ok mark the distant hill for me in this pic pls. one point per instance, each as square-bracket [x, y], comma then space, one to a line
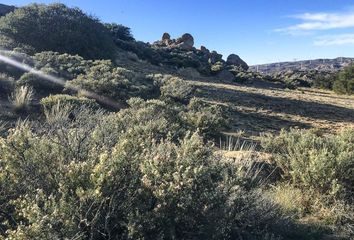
[326, 65]
[5, 9]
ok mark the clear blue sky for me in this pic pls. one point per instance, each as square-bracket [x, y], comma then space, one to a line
[259, 31]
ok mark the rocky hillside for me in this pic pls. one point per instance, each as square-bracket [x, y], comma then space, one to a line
[325, 65]
[181, 53]
[308, 73]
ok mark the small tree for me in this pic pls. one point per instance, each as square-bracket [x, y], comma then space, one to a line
[345, 81]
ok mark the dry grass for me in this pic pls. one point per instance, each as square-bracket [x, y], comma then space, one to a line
[255, 110]
[2, 126]
[21, 98]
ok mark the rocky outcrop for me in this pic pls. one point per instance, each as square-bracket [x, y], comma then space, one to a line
[235, 60]
[166, 39]
[215, 57]
[185, 42]
[225, 76]
[5, 9]
[181, 53]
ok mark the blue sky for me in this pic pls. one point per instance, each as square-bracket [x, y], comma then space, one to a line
[259, 31]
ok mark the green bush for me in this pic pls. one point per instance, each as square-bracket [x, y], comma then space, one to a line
[173, 88]
[324, 81]
[217, 67]
[344, 84]
[58, 28]
[67, 100]
[319, 163]
[67, 66]
[151, 118]
[114, 82]
[206, 117]
[41, 84]
[85, 178]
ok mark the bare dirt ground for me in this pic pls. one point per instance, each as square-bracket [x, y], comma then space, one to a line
[255, 110]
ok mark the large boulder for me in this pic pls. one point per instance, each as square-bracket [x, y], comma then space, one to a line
[166, 39]
[166, 36]
[186, 41]
[235, 60]
[225, 76]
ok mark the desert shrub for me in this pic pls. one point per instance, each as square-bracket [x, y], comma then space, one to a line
[154, 118]
[324, 81]
[241, 77]
[318, 172]
[172, 87]
[41, 84]
[344, 83]
[57, 28]
[114, 82]
[320, 163]
[62, 180]
[7, 85]
[206, 117]
[217, 67]
[67, 66]
[72, 101]
[21, 98]
[119, 32]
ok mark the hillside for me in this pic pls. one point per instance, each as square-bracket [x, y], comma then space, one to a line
[5, 9]
[103, 136]
[319, 73]
[325, 65]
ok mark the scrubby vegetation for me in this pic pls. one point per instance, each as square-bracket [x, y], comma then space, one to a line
[345, 81]
[106, 176]
[152, 166]
[318, 173]
[55, 27]
[21, 98]
[118, 83]
[67, 100]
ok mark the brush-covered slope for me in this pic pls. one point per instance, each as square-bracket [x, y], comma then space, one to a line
[163, 140]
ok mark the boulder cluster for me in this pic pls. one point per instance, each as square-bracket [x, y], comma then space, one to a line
[185, 42]
[205, 59]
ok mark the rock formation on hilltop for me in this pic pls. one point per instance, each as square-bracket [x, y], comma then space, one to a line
[234, 59]
[180, 53]
[203, 59]
[185, 42]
